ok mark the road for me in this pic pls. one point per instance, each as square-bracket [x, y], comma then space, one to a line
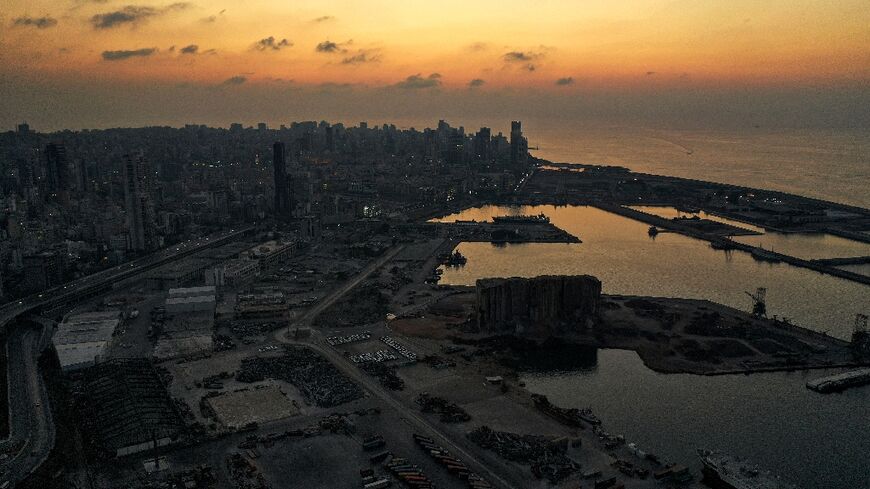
[307, 318]
[30, 419]
[317, 343]
[423, 425]
[97, 282]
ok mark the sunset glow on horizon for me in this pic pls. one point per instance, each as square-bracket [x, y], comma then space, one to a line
[556, 47]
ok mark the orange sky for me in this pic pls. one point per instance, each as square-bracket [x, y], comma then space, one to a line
[384, 42]
[102, 62]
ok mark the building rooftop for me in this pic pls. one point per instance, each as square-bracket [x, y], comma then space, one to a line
[192, 292]
[87, 328]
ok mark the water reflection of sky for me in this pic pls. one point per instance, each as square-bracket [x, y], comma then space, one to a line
[619, 251]
[807, 246]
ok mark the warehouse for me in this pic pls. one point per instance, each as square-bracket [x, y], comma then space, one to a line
[81, 340]
[192, 299]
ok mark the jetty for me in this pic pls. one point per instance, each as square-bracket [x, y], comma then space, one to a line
[841, 381]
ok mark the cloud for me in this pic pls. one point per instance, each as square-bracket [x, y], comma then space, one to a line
[519, 57]
[211, 19]
[43, 22]
[477, 47]
[417, 81]
[361, 57]
[329, 47]
[132, 15]
[325, 18]
[477, 82]
[568, 80]
[127, 54]
[271, 44]
[190, 49]
[235, 80]
[522, 58]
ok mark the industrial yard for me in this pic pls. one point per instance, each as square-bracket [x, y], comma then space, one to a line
[274, 362]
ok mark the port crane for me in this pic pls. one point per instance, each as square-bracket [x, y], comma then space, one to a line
[759, 308]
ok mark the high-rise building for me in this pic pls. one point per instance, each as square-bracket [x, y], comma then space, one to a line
[282, 182]
[42, 271]
[137, 200]
[519, 145]
[57, 170]
[482, 144]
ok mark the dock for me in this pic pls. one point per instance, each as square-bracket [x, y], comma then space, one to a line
[841, 381]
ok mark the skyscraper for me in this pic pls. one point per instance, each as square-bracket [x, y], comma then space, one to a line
[519, 145]
[282, 183]
[57, 171]
[137, 200]
[482, 144]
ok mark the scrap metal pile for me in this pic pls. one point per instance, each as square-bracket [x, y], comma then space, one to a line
[546, 457]
[385, 374]
[448, 411]
[317, 379]
[244, 474]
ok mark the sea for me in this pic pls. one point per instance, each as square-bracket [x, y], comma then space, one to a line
[812, 440]
[831, 165]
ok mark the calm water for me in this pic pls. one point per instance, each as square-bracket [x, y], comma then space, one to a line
[807, 246]
[816, 440]
[619, 252]
[826, 164]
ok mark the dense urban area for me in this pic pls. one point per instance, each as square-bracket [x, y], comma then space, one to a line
[260, 307]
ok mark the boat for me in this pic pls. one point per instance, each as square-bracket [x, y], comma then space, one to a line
[522, 219]
[653, 231]
[722, 471]
[568, 416]
[841, 381]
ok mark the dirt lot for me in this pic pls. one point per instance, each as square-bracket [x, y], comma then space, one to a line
[258, 405]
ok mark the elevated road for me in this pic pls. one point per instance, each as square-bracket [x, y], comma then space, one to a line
[32, 432]
[31, 427]
[105, 280]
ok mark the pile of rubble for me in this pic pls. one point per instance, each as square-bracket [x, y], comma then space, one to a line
[201, 477]
[337, 423]
[353, 338]
[448, 412]
[317, 379]
[249, 329]
[402, 349]
[385, 374]
[222, 342]
[437, 362]
[546, 457]
[244, 474]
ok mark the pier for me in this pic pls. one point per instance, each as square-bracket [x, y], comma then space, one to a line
[821, 266]
[841, 381]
